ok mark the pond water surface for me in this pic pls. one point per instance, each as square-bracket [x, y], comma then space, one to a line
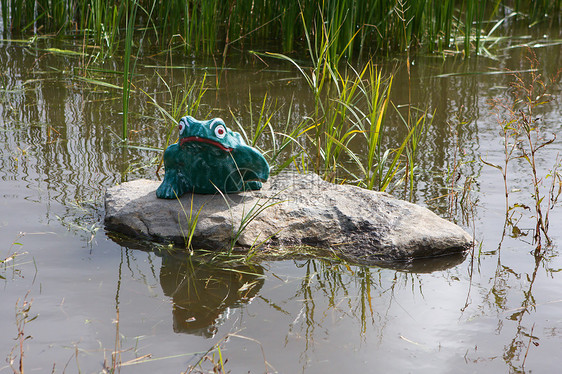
[498, 310]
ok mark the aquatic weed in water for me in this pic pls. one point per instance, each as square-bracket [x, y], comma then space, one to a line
[524, 136]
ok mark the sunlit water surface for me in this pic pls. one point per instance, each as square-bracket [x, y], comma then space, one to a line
[496, 311]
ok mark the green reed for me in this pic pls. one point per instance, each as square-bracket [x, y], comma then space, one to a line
[356, 28]
[257, 125]
[191, 220]
[184, 100]
[130, 11]
[286, 141]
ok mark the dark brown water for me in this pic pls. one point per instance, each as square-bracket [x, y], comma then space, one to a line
[499, 311]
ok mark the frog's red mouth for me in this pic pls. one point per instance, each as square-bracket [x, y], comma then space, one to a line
[205, 140]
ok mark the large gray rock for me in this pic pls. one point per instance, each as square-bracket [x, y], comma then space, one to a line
[290, 210]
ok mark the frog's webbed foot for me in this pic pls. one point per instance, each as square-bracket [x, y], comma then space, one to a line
[253, 185]
[173, 186]
[166, 191]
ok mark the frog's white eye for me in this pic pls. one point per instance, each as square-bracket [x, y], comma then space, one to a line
[220, 131]
[181, 126]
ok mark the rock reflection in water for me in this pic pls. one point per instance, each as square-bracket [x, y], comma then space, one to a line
[427, 265]
[203, 293]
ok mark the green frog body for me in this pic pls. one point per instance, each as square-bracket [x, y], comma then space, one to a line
[209, 157]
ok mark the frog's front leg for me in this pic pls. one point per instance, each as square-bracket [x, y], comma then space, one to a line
[174, 184]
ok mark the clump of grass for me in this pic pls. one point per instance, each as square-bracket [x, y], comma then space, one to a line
[285, 141]
[192, 220]
[349, 113]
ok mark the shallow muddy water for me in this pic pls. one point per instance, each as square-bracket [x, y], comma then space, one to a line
[497, 310]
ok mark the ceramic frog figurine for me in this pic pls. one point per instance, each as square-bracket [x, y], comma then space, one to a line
[209, 156]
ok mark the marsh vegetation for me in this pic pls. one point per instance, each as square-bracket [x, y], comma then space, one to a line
[355, 28]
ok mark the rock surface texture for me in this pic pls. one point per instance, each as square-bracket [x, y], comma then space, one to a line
[294, 209]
